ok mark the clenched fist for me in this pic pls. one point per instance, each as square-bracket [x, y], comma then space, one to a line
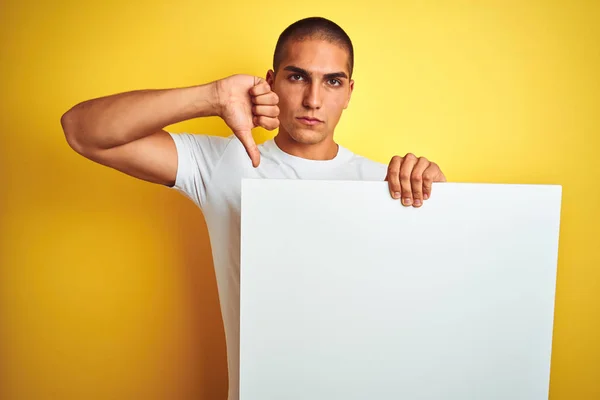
[246, 102]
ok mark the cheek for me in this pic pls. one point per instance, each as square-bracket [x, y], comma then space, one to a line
[337, 106]
[288, 102]
[284, 104]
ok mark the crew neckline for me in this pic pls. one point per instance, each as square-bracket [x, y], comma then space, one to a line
[341, 156]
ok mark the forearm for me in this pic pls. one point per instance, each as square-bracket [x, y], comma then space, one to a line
[118, 119]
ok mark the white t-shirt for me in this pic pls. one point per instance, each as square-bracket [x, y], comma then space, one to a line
[210, 171]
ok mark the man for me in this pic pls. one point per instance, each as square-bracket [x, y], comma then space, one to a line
[303, 95]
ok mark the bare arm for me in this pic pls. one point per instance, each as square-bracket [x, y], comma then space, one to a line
[125, 131]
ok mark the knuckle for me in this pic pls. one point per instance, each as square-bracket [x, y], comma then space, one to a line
[410, 156]
[405, 176]
[430, 173]
[270, 123]
[395, 161]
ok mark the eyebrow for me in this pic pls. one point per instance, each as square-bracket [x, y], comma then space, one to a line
[331, 75]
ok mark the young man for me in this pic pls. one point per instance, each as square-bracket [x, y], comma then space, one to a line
[304, 96]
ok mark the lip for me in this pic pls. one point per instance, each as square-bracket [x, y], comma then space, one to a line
[309, 121]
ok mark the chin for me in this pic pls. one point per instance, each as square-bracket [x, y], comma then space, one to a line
[307, 136]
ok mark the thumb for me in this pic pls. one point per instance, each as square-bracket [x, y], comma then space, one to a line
[258, 80]
[250, 146]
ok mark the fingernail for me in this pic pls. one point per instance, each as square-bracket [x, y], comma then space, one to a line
[425, 196]
[396, 195]
[417, 202]
[407, 201]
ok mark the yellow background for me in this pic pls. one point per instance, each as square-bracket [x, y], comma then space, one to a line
[106, 286]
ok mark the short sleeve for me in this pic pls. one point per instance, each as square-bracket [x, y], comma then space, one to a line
[197, 157]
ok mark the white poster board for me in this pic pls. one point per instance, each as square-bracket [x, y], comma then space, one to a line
[347, 294]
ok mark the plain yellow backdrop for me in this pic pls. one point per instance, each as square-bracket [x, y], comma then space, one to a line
[106, 282]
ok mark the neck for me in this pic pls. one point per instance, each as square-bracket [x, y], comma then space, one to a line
[324, 150]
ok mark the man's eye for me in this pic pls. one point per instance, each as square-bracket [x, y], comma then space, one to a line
[335, 82]
[296, 77]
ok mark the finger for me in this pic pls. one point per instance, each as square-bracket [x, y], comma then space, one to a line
[267, 111]
[269, 98]
[416, 181]
[405, 174]
[393, 175]
[260, 87]
[440, 177]
[250, 146]
[268, 123]
[430, 175]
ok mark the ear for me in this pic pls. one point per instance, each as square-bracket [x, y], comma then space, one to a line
[270, 77]
[351, 85]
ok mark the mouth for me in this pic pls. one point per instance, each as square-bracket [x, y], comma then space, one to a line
[309, 121]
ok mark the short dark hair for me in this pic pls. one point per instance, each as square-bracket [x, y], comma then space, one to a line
[313, 28]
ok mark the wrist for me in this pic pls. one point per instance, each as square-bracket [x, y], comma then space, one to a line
[207, 100]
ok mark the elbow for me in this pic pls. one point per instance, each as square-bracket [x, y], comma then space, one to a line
[74, 132]
[68, 122]
[71, 130]
[83, 131]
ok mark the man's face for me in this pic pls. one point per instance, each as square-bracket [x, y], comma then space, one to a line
[314, 88]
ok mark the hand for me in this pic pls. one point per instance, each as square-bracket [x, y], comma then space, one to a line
[411, 178]
[246, 102]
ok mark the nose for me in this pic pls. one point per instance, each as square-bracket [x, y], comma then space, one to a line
[312, 96]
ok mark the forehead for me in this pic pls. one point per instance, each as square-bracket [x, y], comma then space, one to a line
[316, 56]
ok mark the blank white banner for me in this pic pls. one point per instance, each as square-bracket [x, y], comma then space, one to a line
[347, 294]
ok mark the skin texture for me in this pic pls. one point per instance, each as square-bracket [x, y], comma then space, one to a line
[126, 132]
[313, 81]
